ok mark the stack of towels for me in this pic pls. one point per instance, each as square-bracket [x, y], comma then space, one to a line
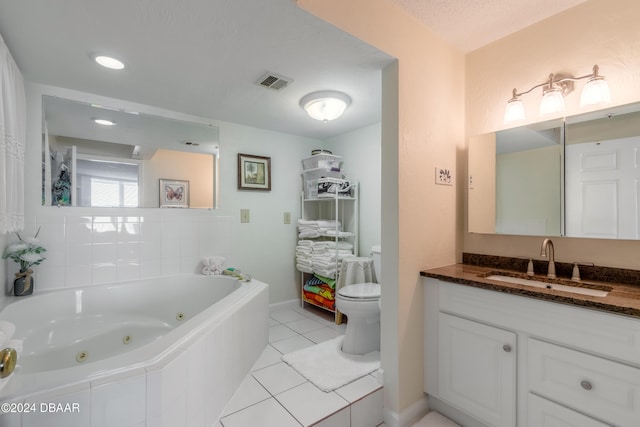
[309, 229]
[321, 257]
[7, 329]
[321, 291]
[212, 265]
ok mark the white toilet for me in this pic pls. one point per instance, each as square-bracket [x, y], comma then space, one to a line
[360, 302]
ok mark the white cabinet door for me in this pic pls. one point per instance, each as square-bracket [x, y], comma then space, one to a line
[543, 413]
[477, 369]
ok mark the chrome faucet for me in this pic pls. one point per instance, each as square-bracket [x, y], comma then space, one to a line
[547, 248]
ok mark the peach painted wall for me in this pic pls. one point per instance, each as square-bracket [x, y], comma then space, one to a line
[603, 32]
[197, 168]
[420, 220]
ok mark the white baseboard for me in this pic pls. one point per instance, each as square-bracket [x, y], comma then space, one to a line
[284, 305]
[409, 416]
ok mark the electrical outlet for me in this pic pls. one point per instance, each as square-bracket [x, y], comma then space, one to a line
[287, 218]
[470, 182]
[244, 216]
[444, 176]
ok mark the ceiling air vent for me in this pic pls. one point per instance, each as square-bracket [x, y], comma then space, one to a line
[274, 81]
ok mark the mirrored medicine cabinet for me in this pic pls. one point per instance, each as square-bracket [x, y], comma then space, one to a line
[574, 177]
[125, 164]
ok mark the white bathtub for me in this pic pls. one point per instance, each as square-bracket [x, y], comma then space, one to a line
[163, 351]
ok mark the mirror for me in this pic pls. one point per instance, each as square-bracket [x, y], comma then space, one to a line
[515, 181]
[584, 182]
[603, 174]
[121, 165]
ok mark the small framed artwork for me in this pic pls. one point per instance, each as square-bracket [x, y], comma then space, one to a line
[174, 193]
[254, 172]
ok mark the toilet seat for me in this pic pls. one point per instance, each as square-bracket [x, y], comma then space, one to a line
[360, 292]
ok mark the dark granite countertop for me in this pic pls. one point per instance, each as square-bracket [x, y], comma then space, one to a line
[623, 298]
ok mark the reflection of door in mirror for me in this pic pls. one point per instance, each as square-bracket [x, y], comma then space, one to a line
[602, 176]
[515, 181]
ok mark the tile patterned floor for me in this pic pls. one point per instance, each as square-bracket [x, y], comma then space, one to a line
[275, 395]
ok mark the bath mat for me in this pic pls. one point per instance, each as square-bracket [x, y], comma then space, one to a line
[328, 368]
[434, 419]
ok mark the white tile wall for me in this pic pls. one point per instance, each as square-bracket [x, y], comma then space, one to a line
[60, 419]
[89, 250]
[119, 404]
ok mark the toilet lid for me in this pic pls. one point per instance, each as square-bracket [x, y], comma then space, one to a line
[361, 291]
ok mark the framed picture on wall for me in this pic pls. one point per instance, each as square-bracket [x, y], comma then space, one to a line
[174, 193]
[254, 172]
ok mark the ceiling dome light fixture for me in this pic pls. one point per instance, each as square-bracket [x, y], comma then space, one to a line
[108, 62]
[104, 122]
[325, 105]
[554, 89]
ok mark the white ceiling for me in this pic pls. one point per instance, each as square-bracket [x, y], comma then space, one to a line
[203, 57]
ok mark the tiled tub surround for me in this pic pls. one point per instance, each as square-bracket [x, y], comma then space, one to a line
[95, 249]
[624, 297]
[184, 378]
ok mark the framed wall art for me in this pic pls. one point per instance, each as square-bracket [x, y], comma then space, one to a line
[254, 172]
[174, 193]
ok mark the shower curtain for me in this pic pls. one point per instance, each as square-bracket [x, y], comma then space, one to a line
[12, 143]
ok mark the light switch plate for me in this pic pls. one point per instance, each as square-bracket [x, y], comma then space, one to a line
[287, 217]
[444, 176]
[244, 216]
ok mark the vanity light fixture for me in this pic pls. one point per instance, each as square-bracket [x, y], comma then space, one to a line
[554, 89]
[325, 105]
[108, 62]
[104, 122]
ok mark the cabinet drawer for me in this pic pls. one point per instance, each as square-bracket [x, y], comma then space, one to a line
[598, 387]
[544, 413]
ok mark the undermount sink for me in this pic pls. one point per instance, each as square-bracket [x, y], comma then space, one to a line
[591, 290]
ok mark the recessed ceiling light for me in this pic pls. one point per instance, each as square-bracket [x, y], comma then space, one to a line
[109, 62]
[104, 122]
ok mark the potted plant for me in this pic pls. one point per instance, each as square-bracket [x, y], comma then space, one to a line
[27, 252]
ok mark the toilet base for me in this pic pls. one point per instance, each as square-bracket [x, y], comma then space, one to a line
[362, 335]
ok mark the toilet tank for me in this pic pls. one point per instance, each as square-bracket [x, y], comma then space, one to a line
[376, 252]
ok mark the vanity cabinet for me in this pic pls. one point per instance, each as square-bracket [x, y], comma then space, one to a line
[477, 369]
[544, 413]
[566, 366]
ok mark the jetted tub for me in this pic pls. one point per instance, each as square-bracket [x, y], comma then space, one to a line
[162, 351]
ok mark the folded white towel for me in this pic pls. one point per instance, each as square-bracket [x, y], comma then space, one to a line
[303, 242]
[329, 273]
[304, 261]
[212, 265]
[304, 268]
[308, 234]
[333, 232]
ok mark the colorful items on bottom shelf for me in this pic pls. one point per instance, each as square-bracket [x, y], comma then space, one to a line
[320, 290]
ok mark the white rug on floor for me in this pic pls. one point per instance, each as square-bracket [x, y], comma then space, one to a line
[328, 368]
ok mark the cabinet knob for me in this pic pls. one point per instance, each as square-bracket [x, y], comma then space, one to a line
[586, 385]
[507, 348]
